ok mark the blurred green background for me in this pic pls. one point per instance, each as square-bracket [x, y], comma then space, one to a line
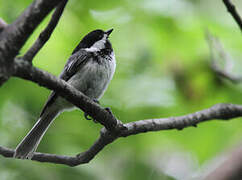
[163, 70]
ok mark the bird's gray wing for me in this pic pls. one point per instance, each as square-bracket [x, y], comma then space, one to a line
[73, 64]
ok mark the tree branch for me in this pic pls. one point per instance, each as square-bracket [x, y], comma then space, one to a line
[219, 111]
[46, 33]
[26, 71]
[81, 158]
[232, 10]
[13, 36]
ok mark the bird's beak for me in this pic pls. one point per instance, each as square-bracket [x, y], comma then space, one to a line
[108, 32]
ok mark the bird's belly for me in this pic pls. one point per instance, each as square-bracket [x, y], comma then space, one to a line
[93, 78]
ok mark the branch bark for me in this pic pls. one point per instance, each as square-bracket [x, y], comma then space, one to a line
[26, 71]
[232, 10]
[16, 34]
[46, 33]
[219, 111]
[81, 158]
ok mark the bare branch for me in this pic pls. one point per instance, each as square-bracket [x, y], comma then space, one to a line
[82, 158]
[232, 10]
[13, 36]
[104, 139]
[219, 56]
[26, 71]
[219, 111]
[46, 33]
[12, 39]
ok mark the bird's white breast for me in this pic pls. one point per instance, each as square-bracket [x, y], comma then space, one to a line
[93, 78]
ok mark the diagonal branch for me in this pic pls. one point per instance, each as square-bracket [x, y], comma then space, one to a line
[232, 10]
[14, 36]
[46, 33]
[26, 71]
[219, 111]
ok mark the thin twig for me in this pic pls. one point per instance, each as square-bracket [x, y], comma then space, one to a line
[232, 10]
[14, 36]
[82, 158]
[46, 33]
[219, 111]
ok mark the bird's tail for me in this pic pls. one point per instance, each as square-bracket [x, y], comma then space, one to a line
[27, 147]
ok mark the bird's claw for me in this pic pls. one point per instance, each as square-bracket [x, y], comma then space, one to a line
[87, 117]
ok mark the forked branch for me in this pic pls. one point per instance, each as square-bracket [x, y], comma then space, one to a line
[46, 33]
[219, 111]
[14, 36]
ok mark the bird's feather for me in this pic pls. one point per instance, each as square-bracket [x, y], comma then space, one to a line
[74, 63]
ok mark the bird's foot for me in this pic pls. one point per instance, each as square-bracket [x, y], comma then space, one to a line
[87, 117]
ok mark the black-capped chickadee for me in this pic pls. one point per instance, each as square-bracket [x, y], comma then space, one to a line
[89, 69]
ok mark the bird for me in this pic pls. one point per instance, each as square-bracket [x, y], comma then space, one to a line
[89, 69]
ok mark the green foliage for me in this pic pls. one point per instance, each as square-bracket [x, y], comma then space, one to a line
[162, 70]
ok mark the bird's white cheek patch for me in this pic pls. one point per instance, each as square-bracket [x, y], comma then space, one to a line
[97, 46]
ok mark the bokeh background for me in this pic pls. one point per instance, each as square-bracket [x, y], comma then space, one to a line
[163, 70]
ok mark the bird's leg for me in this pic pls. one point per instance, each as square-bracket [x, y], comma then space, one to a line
[87, 115]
